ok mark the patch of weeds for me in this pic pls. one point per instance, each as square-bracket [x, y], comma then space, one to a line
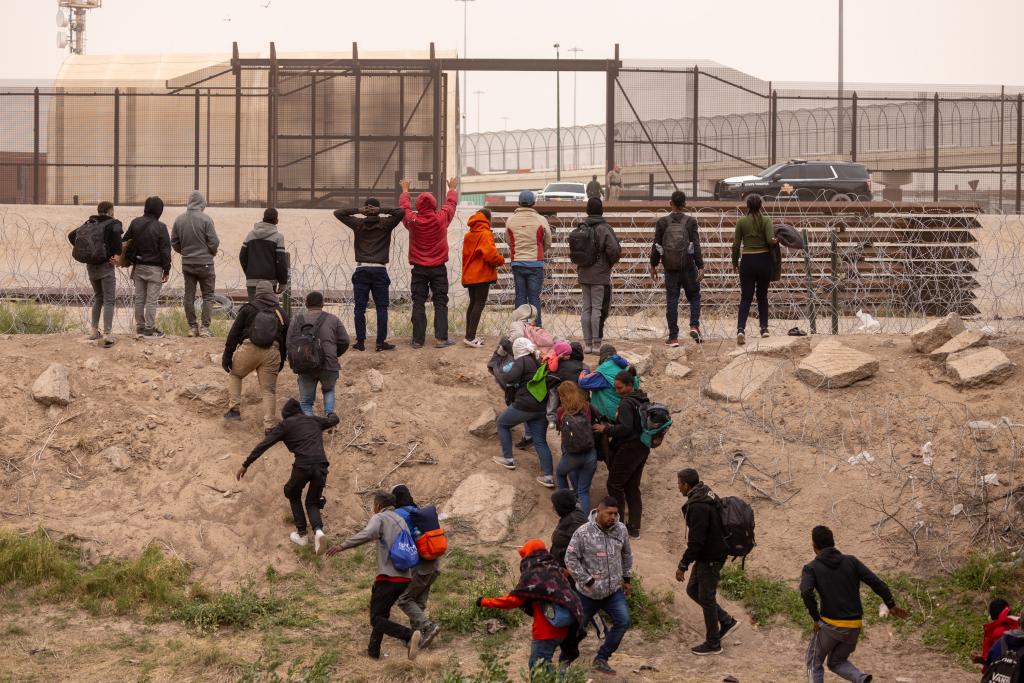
[246, 608]
[320, 671]
[467, 576]
[493, 669]
[172, 321]
[648, 610]
[28, 317]
[764, 598]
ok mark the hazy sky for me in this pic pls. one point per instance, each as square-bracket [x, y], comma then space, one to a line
[895, 41]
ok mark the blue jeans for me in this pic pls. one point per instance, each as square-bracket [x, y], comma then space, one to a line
[583, 465]
[307, 390]
[542, 651]
[367, 281]
[615, 607]
[687, 282]
[536, 427]
[529, 281]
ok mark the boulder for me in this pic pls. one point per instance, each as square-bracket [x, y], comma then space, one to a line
[740, 379]
[639, 359]
[53, 387]
[485, 503]
[968, 339]
[485, 425]
[977, 367]
[832, 365]
[936, 333]
[375, 380]
[677, 353]
[784, 347]
[677, 370]
[117, 457]
[208, 394]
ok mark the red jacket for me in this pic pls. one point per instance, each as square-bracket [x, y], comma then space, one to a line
[542, 628]
[428, 228]
[994, 630]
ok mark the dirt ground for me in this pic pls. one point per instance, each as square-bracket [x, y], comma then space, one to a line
[893, 512]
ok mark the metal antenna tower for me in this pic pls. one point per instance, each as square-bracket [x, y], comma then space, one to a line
[71, 22]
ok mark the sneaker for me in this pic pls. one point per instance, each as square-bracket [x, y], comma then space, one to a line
[672, 343]
[193, 332]
[232, 414]
[430, 631]
[359, 346]
[633, 533]
[205, 332]
[318, 538]
[764, 334]
[602, 666]
[384, 346]
[417, 345]
[154, 334]
[507, 463]
[299, 539]
[444, 343]
[695, 334]
[524, 444]
[414, 645]
[474, 343]
[108, 341]
[94, 335]
[704, 649]
[372, 655]
[731, 627]
[546, 480]
[552, 425]
[140, 333]
[741, 339]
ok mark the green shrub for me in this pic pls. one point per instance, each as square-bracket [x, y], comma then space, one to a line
[172, 321]
[647, 610]
[764, 598]
[28, 317]
[467, 576]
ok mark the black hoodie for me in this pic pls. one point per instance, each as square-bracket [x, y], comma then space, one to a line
[302, 435]
[705, 534]
[372, 233]
[150, 241]
[627, 425]
[837, 578]
[562, 534]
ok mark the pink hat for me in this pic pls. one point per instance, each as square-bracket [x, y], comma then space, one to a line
[562, 348]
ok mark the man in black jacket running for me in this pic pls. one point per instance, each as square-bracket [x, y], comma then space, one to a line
[837, 578]
[706, 550]
[303, 435]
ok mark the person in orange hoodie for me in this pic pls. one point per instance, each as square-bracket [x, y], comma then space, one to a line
[480, 261]
[543, 592]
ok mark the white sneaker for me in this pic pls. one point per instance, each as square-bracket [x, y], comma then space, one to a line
[507, 463]
[741, 339]
[298, 540]
[317, 538]
[546, 480]
[414, 645]
[474, 343]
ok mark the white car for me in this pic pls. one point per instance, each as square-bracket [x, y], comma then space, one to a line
[563, 192]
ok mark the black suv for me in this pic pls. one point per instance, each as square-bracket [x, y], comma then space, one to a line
[803, 180]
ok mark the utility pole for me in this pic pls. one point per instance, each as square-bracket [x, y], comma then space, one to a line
[575, 143]
[506, 120]
[476, 154]
[465, 86]
[839, 98]
[558, 118]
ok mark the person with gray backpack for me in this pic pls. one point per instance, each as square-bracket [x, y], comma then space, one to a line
[97, 244]
[195, 238]
[316, 340]
[594, 249]
[677, 249]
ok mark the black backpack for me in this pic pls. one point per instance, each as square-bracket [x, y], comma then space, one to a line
[655, 420]
[90, 246]
[265, 327]
[305, 352]
[1008, 668]
[583, 245]
[738, 524]
[675, 244]
[577, 433]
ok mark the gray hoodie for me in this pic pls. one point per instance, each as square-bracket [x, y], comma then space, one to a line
[193, 235]
[598, 559]
[383, 527]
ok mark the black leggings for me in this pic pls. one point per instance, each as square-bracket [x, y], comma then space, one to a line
[316, 477]
[477, 301]
[755, 272]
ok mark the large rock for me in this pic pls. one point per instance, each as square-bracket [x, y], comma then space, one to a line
[974, 368]
[117, 457]
[968, 339]
[740, 379]
[936, 333]
[208, 394]
[485, 425]
[375, 380]
[640, 359]
[485, 503]
[785, 347]
[832, 365]
[53, 387]
[677, 370]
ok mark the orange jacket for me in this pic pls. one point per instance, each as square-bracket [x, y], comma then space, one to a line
[480, 258]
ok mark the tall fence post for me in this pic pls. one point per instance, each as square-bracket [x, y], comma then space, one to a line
[935, 150]
[195, 150]
[271, 126]
[611, 76]
[1020, 143]
[812, 313]
[834, 248]
[853, 127]
[696, 128]
[117, 146]
[35, 146]
[650, 186]
[238, 125]
[773, 112]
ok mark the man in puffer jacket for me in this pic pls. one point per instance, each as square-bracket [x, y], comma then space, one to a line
[428, 254]
[600, 561]
[195, 238]
[528, 236]
[263, 256]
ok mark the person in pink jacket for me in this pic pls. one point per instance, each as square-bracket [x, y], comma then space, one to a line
[428, 254]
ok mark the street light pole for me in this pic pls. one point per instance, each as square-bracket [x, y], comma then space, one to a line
[839, 98]
[476, 155]
[558, 119]
[575, 140]
[465, 86]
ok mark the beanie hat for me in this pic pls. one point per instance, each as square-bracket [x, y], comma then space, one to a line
[270, 216]
[563, 501]
[527, 198]
[373, 201]
[561, 348]
[531, 546]
[595, 207]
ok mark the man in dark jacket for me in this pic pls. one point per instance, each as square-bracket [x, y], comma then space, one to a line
[837, 578]
[148, 249]
[706, 550]
[570, 518]
[303, 435]
[195, 238]
[372, 238]
[628, 453]
[594, 187]
[263, 256]
[596, 280]
[333, 339]
[101, 275]
[242, 356]
[525, 408]
[682, 270]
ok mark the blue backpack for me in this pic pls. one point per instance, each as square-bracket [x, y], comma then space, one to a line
[402, 553]
[558, 616]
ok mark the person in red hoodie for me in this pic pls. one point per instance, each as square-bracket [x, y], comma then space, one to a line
[480, 261]
[543, 592]
[999, 612]
[428, 254]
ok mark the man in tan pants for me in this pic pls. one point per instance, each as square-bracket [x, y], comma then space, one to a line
[256, 342]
